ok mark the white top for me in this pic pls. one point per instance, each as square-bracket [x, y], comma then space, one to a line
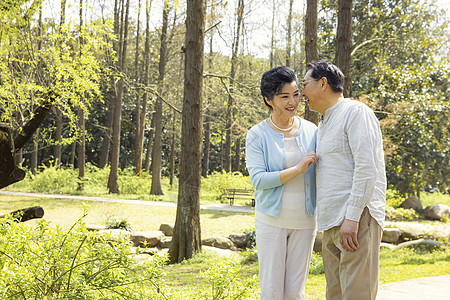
[293, 213]
[350, 172]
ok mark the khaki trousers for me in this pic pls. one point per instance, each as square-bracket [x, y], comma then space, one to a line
[353, 275]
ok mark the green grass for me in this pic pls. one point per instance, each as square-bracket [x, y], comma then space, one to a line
[428, 199]
[394, 266]
[187, 279]
[65, 212]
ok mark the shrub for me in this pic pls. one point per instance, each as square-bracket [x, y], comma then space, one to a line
[45, 262]
[316, 266]
[216, 185]
[117, 223]
[227, 282]
[400, 214]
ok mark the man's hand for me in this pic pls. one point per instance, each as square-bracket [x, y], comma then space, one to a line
[349, 235]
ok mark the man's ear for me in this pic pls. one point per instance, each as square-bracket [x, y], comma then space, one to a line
[323, 81]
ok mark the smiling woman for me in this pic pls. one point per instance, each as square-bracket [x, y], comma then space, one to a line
[282, 173]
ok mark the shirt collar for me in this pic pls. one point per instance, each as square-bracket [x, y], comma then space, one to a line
[329, 112]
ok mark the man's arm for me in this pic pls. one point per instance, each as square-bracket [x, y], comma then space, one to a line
[364, 136]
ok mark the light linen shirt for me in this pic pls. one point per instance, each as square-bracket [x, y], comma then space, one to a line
[351, 171]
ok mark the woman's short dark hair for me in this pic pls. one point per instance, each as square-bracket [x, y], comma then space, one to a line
[334, 76]
[272, 81]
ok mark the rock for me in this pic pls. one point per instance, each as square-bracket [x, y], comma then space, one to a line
[167, 229]
[95, 227]
[165, 242]
[391, 235]
[218, 242]
[408, 234]
[318, 242]
[388, 246]
[239, 239]
[422, 244]
[412, 202]
[221, 252]
[116, 233]
[437, 212]
[146, 238]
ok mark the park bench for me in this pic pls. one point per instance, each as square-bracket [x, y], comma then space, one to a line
[246, 194]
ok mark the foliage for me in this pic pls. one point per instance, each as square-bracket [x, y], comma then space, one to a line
[316, 266]
[117, 223]
[393, 198]
[216, 185]
[226, 283]
[251, 238]
[400, 214]
[46, 262]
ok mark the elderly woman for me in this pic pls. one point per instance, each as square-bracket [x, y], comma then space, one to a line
[281, 163]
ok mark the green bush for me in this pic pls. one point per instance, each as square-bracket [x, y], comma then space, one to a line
[226, 281]
[399, 214]
[45, 262]
[316, 266]
[215, 186]
[393, 198]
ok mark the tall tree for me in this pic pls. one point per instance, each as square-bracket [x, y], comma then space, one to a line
[343, 56]
[230, 104]
[58, 129]
[156, 188]
[187, 234]
[289, 35]
[145, 80]
[311, 51]
[82, 122]
[121, 50]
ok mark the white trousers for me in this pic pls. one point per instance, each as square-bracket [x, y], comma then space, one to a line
[283, 256]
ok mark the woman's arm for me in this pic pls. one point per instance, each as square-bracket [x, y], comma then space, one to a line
[290, 173]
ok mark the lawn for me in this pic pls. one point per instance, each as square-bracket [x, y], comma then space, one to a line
[188, 278]
[141, 217]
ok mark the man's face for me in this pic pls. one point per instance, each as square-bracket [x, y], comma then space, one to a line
[310, 90]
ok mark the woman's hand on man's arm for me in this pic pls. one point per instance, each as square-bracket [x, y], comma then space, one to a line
[290, 173]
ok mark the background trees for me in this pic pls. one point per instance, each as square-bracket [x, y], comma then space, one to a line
[398, 66]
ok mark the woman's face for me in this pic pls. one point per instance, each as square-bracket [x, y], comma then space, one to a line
[285, 104]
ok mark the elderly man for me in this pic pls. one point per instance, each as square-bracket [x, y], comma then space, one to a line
[351, 185]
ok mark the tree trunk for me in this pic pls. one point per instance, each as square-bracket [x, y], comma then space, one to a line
[229, 112]
[172, 149]
[34, 154]
[143, 114]
[148, 155]
[344, 42]
[156, 188]
[9, 173]
[237, 156]
[137, 111]
[311, 51]
[207, 122]
[25, 214]
[58, 130]
[207, 145]
[58, 137]
[106, 142]
[289, 35]
[113, 185]
[82, 122]
[272, 39]
[187, 234]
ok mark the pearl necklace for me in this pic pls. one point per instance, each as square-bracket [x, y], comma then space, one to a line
[281, 129]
